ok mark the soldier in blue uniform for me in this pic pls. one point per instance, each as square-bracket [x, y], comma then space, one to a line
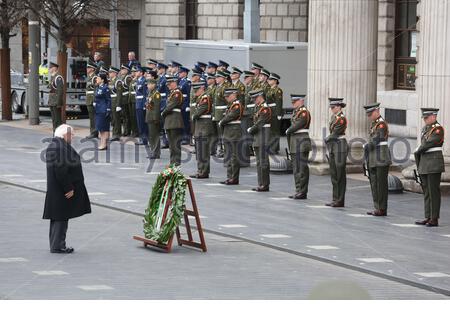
[185, 87]
[162, 89]
[211, 68]
[175, 68]
[141, 96]
[223, 65]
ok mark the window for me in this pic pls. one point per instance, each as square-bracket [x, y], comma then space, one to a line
[395, 116]
[405, 44]
[190, 14]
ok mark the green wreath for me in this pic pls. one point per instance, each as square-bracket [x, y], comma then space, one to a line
[170, 180]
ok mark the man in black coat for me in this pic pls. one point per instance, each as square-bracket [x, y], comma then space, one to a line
[66, 196]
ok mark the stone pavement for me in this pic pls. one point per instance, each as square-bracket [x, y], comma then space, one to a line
[391, 247]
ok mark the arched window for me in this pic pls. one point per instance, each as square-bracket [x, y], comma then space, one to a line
[405, 44]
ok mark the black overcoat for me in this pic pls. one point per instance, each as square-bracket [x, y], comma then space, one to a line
[64, 173]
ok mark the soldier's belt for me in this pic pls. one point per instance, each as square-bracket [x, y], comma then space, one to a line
[184, 95]
[221, 107]
[90, 92]
[139, 97]
[301, 131]
[193, 104]
[267, 125]
[251, 105]
[113, 95]
[162, 94]
[176, 110]
[235, 122]
[133, 93]
[188, 109]
[205, 116]
[383, 143]
[272, 104]
[125, 93]
[341, 137]
[435, 149]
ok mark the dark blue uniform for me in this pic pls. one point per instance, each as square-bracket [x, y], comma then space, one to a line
[102, 105]
[141, 97]
[162, 89]
[185, 88]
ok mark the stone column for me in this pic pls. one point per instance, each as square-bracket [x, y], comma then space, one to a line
[342, 60]
[433, 69]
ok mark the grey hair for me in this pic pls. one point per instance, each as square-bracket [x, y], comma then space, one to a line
[62, 130]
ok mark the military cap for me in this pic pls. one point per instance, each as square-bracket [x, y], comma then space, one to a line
[124, 66]
[429, 112]
[256, 66]
[153, 73]
[136, 68]
[255, 93]
[227, 72]
[162, 65]
[265, 72]
[296, 96]
[184, 69]
[212, 64]
[154, 81]
[228, 91]
[336, 102]
[274, 76]
[145, 69]
[104, 69]
[172, 79]
[55, 65]
[199, 84]
[372, 107]
[221, 74]
[152, 61]
[223, 64]
[91, 65]
[201, 64]
[210, 76]
[236, 70]
[196, 71]
[248, 74]
[175, 64]
[113, 69]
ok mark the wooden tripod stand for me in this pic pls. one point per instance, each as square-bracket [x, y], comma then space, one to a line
[167, 247]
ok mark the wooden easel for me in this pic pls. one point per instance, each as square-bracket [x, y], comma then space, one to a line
[190, 240]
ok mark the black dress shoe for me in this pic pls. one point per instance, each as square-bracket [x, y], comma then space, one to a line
[199, 176]
[224, 182]
[379, 213]
[165, 146]
[330, 204]
[422, 222]
[337, 204]
[64, 250]
[231, 182]
[298, 196]
[432, 223]
[262, 189]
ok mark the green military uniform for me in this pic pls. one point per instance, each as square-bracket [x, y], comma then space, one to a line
[220, 106]
[173, 124]
[125, 104]
[153, 119]
[337, 156]
[241, 90]
[55, 99]
[262, 135]
[116, 89]
[249, 111]
[211, 92]
[274, 99]
[232, 134]
[299, 149]
[204, 129]
[430, 165]
[132, 108]
[378, 160]
[90, 91]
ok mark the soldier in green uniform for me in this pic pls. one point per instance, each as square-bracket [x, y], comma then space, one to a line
[430, 164]
[274, 99]
[153, 118]
[249, 109]
[263, 76]
[173, 121]
[125, 79]
[56, 95]
[237, 84]
[132, 104]
[116, 88]
[90, 89]
[203, 129]
[378, 159]
[299, 145]
[220, 106]
[261, 132]
[337, 147]
[256, 69]
[195, 77]
[211, 91]
[232, 134]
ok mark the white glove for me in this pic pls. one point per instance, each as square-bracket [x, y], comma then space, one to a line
[93, 104]
[286, 132]
[118, 109]
[279, 117]
[188, 109]
[248, 130]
